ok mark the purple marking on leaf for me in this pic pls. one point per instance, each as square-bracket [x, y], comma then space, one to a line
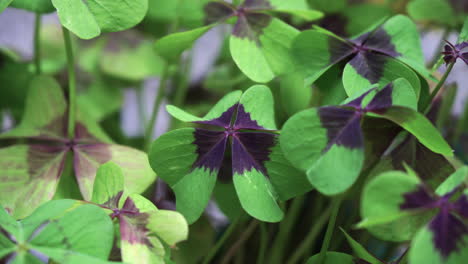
[379, 41]
[86, 160]
[357, 103]
[382, 100]
[250, 25]
[257, 4]
[449, 231]
[113, 201]
[343, 127]
[133, 228]
[250, 150]
[461, 206]
[224, 120]
[211, 146]
[338, 49]
[335, 23]
[369, 65]
[459, 6]
[420, 198]
[244, 121]
[82, 134]
[218, 11]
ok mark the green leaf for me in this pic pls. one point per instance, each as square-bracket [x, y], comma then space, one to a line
[263, 60]
[142, 204]
[464, 32]
[100, 100]
[453, 181]
[311, 53]
[45, 104]
[360, 251]
[415, 123]
[330, 179]
[329, 6]
[86, 228]
[8, 223]
[295, 94]
[438, 11]
[138, 175]
[88, 19]
[257, 196]
[132, 64]
[29, 177]
[363, 16]
[108, 183]
[169, 226]
[422, 250]
[258, 102]
[171, 46]
[380, 207]
[405, 37]
[287, 181]
[356, 84]
[332, 258]
[193, 193]
[39, 6]
[4, 4]
[307, 15]
[220, 107]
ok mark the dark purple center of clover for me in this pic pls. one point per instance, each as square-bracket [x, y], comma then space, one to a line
[250, 19]
[448, 226]
[343, 123]
[367, 54]
[250, 143]
[453, 52]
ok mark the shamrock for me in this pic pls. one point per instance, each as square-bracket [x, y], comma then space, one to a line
[142, 226]
[379, 56]
[398, 206]
[453, 52]
[30, 171]
[314, 139]
[259, 43]
[238, 133]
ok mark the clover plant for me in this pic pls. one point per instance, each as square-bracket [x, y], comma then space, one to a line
[243, 131]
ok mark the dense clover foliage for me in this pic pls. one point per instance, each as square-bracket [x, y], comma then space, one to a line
[324, 136]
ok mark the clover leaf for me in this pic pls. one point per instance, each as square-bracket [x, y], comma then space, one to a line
[259, 43]
[142, 226]
[314, 139]
[65, 231]
[38, 163]
[435, 221]
[378, 56]
[239, 133]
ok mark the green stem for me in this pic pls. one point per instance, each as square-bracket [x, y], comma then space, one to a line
[335, 207]
[182, 87]
[242, 239]
[310, 238]
[436, 90]
[285, 228]
[440, 46]
[263, 243]
[461, 124]
[221, 241]
[157, 104]
[37, 43]
[71, 83]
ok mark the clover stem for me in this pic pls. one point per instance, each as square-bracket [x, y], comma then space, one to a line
[157, 104]
[263, 243]
[182, 86]
[436, 90]
[242, 239]
[71, 83]
[436, 57]
[310, 238]
[37, 43]
[285, 228]
[221, 241]
[335, 207]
